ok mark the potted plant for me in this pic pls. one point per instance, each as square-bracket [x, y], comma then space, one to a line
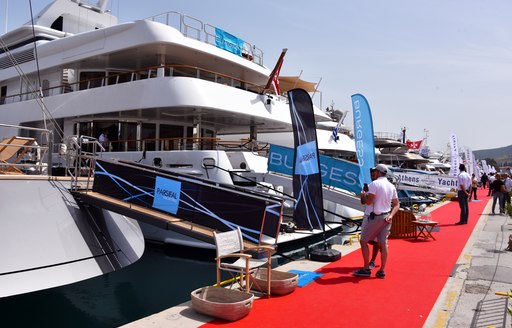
[508, 209]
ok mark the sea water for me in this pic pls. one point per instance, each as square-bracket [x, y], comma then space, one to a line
[159, 280]
[162, 278]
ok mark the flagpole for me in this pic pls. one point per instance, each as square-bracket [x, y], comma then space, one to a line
[6, 13]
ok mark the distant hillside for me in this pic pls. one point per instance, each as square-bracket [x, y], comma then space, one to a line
[502, 155]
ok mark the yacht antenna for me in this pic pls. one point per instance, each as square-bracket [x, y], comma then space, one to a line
[316, 89]
[6, 13]
[102, 4]
[275, 71]
[35, 46]
[297, 80]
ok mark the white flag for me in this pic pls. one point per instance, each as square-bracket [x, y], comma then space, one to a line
[454, 145]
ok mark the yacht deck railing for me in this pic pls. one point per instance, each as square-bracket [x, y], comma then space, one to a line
[192, 143]
[196, 29]
[136, 75]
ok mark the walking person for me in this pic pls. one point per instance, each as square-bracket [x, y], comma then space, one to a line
[474, 187]
[374, 242]
[484, 179]
[464, 181]
[498, 192]
[381, 205]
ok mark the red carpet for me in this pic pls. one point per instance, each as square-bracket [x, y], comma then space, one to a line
[416, 274]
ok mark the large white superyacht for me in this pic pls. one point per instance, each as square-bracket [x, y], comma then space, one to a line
[162, 89]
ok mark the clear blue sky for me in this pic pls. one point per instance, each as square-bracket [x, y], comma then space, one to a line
[439, 65]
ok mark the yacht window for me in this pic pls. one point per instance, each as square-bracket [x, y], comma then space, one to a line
[46, 88]
[3, 94]
[148, 135]
[207, 142]
[224, 80]
[168, 71]
[58, 24]
[125, 77]
[237, 84]
[91, 80]
[189, 142]
[208, 76]
[128, 136]
[171, 137]
[185, 71]
[118, 77]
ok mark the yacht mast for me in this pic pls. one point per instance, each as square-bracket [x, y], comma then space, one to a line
[102, 4]
[6, 14]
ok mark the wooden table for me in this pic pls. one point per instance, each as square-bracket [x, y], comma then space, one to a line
[424, 229]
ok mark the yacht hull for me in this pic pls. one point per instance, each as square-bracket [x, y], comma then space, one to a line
[48, 239]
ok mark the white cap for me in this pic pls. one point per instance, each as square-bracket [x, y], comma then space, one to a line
[381, 168]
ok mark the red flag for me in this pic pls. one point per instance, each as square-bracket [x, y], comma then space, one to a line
[413, 144]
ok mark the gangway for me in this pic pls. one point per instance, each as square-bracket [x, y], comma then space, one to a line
[147, 215]
[173, 201]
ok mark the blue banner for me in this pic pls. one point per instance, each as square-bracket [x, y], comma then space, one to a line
[335, 172]
[363, 137]
[228, 42]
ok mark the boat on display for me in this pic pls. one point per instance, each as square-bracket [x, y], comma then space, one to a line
[161, 90]
[47, 237]
[418, 178]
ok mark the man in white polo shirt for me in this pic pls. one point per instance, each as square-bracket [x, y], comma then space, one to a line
[464, 185]
[381, 205]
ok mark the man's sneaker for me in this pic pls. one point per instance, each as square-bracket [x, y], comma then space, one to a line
[371, 265]
[381, 274]
[362, 273]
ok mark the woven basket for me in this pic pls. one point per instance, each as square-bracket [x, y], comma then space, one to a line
[281, 283]
[223, 303]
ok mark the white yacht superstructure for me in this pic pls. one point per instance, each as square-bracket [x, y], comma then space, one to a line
[162, 89]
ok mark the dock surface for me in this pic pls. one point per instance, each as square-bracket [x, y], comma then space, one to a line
[466, 298]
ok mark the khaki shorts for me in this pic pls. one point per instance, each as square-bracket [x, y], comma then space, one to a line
[375, 228]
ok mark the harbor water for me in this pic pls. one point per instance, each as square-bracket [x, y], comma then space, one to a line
[162, 278]
[157, 281]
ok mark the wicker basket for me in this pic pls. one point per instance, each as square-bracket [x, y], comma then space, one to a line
[281, 283]
[223, 303]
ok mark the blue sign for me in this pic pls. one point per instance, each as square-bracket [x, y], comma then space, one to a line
[335, 172]
[167, 195]
[228, 42]
[306, 163]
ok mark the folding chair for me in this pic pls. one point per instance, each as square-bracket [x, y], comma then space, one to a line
[230, 245]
